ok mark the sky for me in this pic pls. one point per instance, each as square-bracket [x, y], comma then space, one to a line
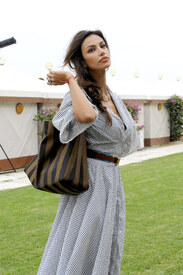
[144, 36]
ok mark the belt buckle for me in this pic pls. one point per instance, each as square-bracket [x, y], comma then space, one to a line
[117, 160]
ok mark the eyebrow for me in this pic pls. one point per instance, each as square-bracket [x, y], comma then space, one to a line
[94, 45]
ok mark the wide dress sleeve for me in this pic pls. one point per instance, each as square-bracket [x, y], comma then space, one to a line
[131, 136]
[66, 123]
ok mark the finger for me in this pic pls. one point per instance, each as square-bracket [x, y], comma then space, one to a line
[51, 83]
[49, 78]
[51, 72]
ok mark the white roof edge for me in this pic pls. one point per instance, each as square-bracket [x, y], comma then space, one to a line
[57, 95]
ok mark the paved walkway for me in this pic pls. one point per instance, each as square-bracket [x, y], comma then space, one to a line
[19, 179]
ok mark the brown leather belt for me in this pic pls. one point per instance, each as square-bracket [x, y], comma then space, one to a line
[102, 156]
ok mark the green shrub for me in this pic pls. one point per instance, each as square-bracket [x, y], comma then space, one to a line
[134, 109]
[175, 107]
[46, 113]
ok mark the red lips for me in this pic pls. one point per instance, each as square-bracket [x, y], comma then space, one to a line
[104, 59]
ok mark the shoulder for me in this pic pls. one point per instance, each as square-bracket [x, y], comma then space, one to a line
[68, 97]
[116, 96]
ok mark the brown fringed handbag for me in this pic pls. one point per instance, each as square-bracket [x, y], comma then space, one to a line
[59, 168]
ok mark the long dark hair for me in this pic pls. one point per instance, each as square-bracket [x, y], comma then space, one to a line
[75, 60]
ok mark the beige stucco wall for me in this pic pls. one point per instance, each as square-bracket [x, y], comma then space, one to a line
[156, 121]
[18, 133]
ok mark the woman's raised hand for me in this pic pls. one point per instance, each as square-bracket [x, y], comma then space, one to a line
[58, 77]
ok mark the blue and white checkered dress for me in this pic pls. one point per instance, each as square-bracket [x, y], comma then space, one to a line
[87, 236]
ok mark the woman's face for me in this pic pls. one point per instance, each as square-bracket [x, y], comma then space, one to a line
[95, 53]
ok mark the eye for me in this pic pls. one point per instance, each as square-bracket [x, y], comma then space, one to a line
[91, 50]
[103, 46]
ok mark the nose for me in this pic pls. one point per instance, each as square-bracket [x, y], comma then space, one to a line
[101, 51]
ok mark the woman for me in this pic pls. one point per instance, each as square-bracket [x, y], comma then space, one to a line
[88, 232]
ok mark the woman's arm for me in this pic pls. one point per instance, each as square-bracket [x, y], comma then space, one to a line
[83, 110]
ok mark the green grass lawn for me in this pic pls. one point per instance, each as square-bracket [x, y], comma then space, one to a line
[154, 226]
[154, 223]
